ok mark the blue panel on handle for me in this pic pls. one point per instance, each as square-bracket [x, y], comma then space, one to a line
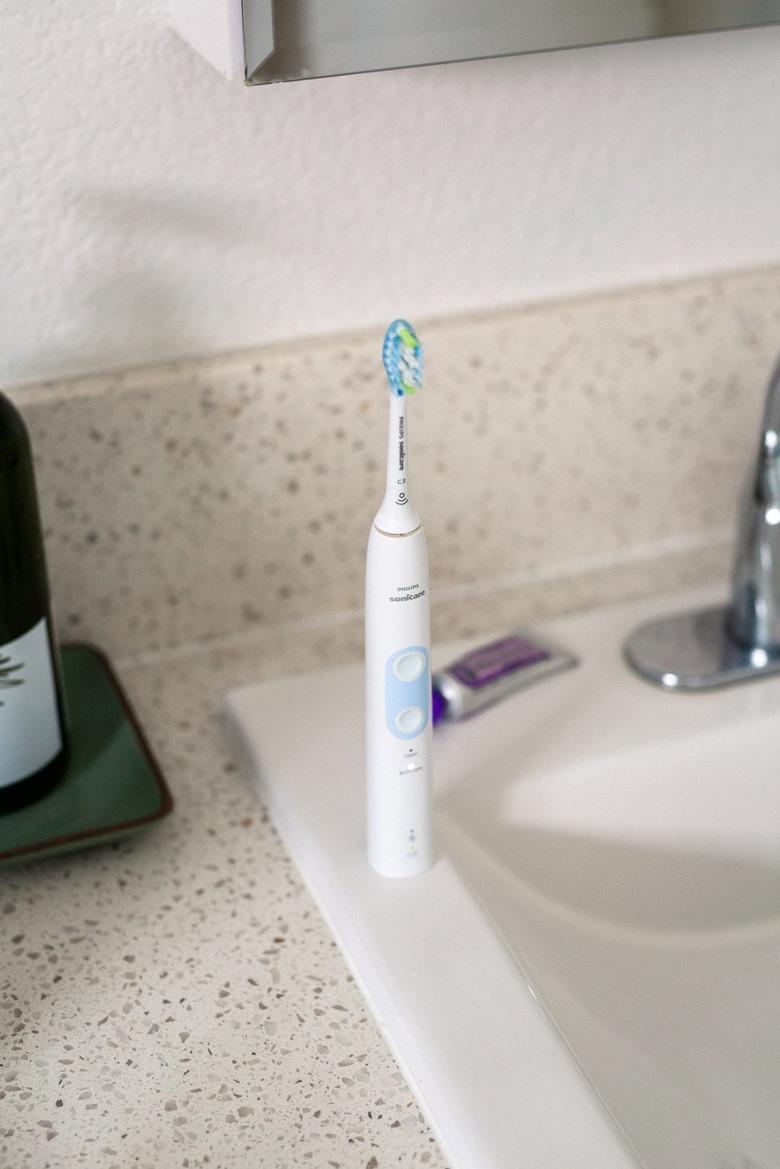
[403, 695]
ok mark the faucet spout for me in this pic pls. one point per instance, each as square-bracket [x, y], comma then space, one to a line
[754, 618]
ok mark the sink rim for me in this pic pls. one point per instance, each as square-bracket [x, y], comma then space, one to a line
[551, 1116]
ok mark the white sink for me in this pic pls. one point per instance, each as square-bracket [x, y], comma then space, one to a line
[589, 978]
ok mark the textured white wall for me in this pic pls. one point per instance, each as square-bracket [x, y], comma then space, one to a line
[148, 208]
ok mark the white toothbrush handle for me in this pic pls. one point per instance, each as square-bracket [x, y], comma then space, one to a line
[398, 704]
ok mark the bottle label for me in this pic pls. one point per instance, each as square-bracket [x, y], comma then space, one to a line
[30, 734]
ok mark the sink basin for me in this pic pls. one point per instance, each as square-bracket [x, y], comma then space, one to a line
[588, 975]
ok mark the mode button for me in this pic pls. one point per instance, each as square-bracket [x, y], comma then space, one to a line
[411, 720]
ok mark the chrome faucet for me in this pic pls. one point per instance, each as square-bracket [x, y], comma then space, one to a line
[754, 620]
[712, 647]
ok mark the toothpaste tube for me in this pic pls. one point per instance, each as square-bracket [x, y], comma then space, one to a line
[491, 672]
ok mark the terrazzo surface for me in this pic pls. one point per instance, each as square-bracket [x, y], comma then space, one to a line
[176, 1000]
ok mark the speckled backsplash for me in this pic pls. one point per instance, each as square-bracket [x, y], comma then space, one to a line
[562, 455]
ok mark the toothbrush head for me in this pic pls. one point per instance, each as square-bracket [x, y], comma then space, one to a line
[403, 359]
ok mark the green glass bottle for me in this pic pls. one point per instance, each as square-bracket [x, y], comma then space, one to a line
[33, 734]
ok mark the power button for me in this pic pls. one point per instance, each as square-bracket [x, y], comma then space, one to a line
[409, 666]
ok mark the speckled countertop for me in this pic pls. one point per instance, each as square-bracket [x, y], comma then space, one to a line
[176, 1000]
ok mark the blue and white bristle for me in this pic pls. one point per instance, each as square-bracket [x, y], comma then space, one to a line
[403, 358]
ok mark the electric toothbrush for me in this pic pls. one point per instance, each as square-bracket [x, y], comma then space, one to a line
[398, 671]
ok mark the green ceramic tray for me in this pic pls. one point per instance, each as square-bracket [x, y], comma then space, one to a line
[113, 785]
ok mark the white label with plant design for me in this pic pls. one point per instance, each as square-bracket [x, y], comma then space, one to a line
[29, 725]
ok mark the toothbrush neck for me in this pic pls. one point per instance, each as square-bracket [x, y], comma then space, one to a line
[397, 515]
[397, 451]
